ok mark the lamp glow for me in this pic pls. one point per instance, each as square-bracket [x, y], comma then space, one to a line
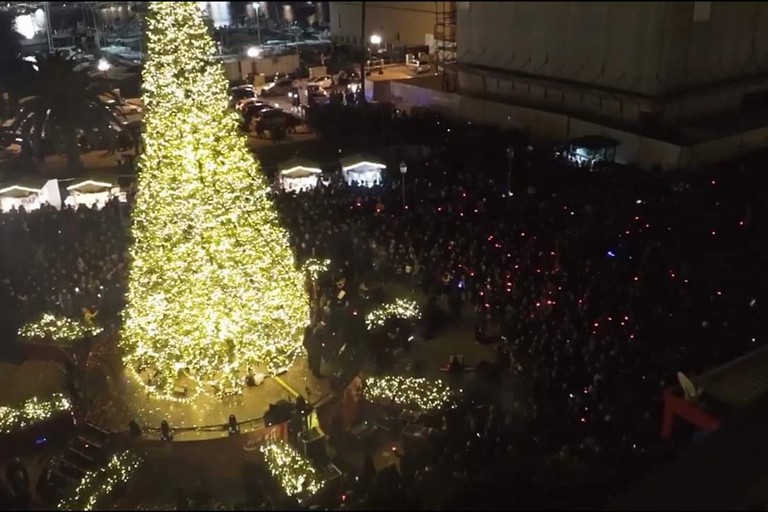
[253, 52]
[104, 65]
[375, 39]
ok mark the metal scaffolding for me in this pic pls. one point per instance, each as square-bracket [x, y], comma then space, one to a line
[445, 44]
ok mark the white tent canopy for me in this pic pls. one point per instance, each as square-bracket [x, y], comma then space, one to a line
[29, 193]
[298, 174]
[361, 169]
[92, 193]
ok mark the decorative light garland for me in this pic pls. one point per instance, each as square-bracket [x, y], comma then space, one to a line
[292, 470]
[32, 411]
[401, 308]
[58, 329]
[316, 267]
[96, 485]
[409, 391]
[212, 286]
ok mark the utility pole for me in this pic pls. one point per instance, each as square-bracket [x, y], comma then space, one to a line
[364, 47]
[47, 7]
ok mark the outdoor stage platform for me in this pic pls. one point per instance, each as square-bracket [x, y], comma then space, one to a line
[117, 397]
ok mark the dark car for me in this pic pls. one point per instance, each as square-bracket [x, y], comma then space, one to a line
[279, 88]
[237, 94]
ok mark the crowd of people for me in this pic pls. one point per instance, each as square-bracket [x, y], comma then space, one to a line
[600, 288]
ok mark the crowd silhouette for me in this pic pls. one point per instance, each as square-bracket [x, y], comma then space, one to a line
[596, 289]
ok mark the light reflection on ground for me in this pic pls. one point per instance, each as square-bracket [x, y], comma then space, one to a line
[116, 397]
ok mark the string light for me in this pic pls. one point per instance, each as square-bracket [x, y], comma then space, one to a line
[96, 485]
[58, 329]
[401, 308]
[409, 391]
[293, 471]
[32, 411]
[316, 267]
[213, 287]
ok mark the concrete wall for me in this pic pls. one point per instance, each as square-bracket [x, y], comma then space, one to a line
[724, 148]
[623, 45]
[398, 23]
[615, 60]
[642, 151]
[612, 44]
[707, 42]
[270, 65]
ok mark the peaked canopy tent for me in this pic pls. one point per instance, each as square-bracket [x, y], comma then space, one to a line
[31, 193]
[95, 192]
[298, 174]
[361, 170]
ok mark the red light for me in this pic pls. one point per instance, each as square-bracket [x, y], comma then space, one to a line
[719, 292]
[637, 278]
[522, 234]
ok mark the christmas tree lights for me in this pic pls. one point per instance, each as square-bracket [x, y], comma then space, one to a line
[32, 411]
[213, 287]
[293, 471]
[401, 308]
[98, 484]
[409, 391]
[57, 329]
[316, 267]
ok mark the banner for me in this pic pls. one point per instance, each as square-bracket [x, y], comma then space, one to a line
[273, 433]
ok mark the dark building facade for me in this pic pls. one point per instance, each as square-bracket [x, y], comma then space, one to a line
[642, 66]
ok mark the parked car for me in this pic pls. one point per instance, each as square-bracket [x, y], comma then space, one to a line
[325, 81]
[279, 88]
[239, 93]
[258, 111]
[251, 102]
[277, 119]
[419, 67]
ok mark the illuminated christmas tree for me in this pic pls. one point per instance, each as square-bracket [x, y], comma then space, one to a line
[212, 287]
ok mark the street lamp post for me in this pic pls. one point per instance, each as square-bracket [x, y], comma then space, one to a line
[510, 158]
[403, 170]
[376, 41]
[253, 53]
[103, 66]
[256, 7]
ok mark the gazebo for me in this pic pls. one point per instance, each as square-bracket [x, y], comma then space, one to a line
[361, 170]
[592, 148]
[92, 192]
[297, 174]
[31, 193]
